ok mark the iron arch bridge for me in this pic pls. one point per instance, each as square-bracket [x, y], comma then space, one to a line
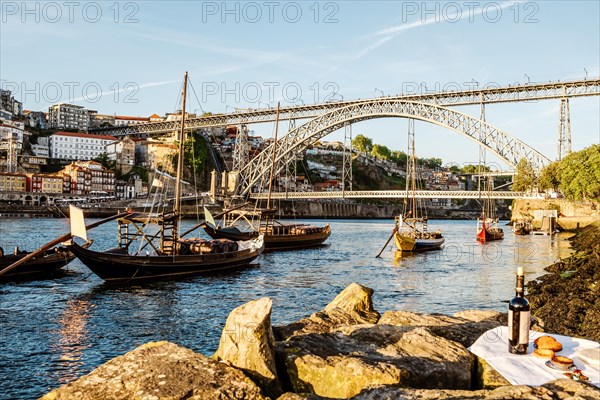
[505, 146]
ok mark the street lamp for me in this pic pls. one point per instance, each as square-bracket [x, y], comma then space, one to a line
[528, 80]
[379, 90]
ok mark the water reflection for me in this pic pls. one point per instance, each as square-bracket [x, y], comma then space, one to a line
[72, 340]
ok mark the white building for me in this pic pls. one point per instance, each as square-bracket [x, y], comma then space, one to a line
[78, 146]
[12, 130]
[68, 116]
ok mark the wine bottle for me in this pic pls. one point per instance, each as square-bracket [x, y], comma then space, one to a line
[518, 318]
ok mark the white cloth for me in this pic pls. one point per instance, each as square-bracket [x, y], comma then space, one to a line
[527, 369]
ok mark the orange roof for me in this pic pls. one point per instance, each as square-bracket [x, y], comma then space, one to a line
[85, 135]
[155, 116]
[124, 117]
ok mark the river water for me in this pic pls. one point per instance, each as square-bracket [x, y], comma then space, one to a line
[53, 331]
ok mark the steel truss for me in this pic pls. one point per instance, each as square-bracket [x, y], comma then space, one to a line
[516, 93]
[507, 147]
[399, 194]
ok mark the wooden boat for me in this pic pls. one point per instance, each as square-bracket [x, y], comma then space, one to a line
[522, 227]
[43, 266]
[174, 256]
[412, 236]
[411, 231]
[239, 224]
[277, 236]
[487, 224]
[487, 229]
[118, 265]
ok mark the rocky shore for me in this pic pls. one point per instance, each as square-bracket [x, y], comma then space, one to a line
[347, 350]
[567, 300]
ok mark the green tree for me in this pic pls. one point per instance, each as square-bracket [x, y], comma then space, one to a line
[380, 151]
[362, 143]
[525, 178]
[580, 174]
[550, 177]
[474, 169]
[398, 156]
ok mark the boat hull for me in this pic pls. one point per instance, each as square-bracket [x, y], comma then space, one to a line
[486, 235]
[273, 242]
[405, 243]
[117, 266]
[42, 267]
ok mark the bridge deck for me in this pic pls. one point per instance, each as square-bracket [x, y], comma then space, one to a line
[378, 194]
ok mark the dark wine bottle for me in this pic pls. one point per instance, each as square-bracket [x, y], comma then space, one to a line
[518, 318]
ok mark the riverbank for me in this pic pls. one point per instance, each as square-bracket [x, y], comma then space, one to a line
[571, 215]
[567, 299]
[347, 350]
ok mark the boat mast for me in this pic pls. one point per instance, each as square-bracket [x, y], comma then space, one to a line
[273, 157]
[411, 175]
[180, 156]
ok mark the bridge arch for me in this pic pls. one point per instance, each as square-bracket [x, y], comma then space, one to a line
[505, 146]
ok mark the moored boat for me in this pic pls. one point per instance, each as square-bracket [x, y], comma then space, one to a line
[277, 235]
[522, 227]
[173, 256]
[412, 236]
[488, 230]
[45, 265]
[411, 232]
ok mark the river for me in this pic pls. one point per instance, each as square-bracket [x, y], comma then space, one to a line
[54, 331]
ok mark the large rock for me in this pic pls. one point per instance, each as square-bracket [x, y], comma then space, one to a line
[247, 343]
[160, 370]
[459, 329]
[559, 389]
[341, 365]
[353, 306]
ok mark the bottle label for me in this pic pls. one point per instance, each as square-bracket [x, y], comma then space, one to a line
[510, 325]
[524, 320]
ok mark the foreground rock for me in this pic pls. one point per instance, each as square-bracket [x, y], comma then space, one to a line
[247, 343]
[342, 364]
[567, 299]
[457, 328]
[559, 389]
[160, 370]
[353, 306]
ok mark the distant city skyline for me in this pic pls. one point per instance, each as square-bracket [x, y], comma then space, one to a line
[128, 58]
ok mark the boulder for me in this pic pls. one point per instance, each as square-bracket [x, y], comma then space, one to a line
[459, 329]
[247, 343]
[559, 389]
[160, 370]
[352, 306]
[341, 365]
[487, 376]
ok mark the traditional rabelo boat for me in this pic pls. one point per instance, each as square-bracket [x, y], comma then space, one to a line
[42, 266]
[487, 224]
[411, 232]
[522, 227]
[174, 256]
[245, 224]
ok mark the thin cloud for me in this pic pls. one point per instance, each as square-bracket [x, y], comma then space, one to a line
[127, 89]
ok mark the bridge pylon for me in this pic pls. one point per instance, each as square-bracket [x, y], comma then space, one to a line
[564, 129]
[241, 150]
[347, 158]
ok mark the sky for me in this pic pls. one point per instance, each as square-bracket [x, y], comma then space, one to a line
[128, 58]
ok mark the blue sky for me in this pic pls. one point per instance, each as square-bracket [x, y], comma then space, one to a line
[250, 54]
